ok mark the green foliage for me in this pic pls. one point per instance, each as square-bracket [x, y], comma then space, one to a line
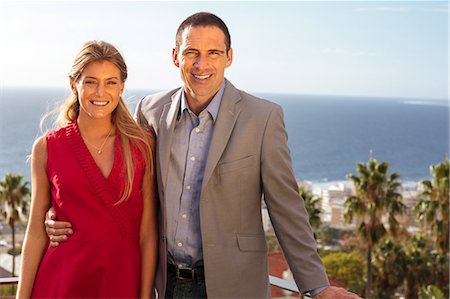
[312, 205]
[272, 243]
[14, 198]
[432, 208]
[346, 267]
[389, 264]
[432, 211]
[440, 277]
[438, 268]
[335, 237]
[431, 292]
[8, 291]
[15, 251]
[376, 196]
[14, 202]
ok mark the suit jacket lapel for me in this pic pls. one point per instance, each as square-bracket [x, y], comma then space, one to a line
[165, 136]
[226, 118]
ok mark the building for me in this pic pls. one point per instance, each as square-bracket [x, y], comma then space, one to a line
[333, 199]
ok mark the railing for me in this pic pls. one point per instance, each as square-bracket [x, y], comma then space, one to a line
[283, 284]
[275, 281]
[9, 280]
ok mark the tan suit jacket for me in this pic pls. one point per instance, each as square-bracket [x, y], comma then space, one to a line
[248, 160]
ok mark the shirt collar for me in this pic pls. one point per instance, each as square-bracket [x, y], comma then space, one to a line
[213, 106]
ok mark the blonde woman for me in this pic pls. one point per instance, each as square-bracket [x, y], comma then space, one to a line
[97, 171]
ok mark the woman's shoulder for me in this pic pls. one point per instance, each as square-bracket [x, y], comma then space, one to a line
[55, 134]
[41, 142]
[40, 147]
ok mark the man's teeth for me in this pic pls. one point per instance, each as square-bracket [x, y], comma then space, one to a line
[97, 103]
[202, 77]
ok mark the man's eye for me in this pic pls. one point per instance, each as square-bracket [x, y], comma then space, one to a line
[190, 53]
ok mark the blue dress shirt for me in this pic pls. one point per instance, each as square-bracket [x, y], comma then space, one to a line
[188, 155]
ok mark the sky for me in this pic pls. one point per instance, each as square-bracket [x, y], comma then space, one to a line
[357, 48]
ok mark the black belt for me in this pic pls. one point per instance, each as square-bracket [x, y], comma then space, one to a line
[186, 273]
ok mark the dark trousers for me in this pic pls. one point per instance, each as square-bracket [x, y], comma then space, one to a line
[181, 288]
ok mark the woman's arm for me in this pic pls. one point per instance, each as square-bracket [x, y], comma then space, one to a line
[149, 231]
[36, 241]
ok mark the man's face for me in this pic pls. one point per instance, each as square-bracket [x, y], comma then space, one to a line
[202, 58]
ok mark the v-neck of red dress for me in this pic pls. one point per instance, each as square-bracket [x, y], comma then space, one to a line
[104, 186]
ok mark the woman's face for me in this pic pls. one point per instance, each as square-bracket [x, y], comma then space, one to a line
[99, 89]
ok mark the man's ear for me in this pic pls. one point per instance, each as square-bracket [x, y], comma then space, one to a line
[175, 57]
[229, 57]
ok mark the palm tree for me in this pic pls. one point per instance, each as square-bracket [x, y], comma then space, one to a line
[312, 205]
[432, 208]
[14, 197]
[376, 195]
[388, 269]
[420, 266]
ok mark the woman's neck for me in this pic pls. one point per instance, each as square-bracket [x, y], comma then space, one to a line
[95, 128]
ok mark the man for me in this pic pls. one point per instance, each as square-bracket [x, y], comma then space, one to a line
[219, 151]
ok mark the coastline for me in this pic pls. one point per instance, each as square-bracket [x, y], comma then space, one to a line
[327, 135]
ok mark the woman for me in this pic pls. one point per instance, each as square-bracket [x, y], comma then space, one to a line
[97, 172]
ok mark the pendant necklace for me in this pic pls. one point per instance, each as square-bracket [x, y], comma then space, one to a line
[99, 149]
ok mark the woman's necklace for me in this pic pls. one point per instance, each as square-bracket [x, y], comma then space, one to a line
[99, 149]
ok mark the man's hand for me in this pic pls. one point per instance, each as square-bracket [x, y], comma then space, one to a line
[335, 292]
[57, 231]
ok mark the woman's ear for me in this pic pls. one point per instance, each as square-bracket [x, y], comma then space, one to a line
[73, 87]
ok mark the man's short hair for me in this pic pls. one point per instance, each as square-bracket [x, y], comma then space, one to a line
[203, 19]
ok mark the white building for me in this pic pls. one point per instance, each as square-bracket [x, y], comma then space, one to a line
[333, 199]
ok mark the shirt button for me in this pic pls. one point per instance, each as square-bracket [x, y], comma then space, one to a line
[184, 216]
[192, 158]
[197, 130]
[180, 244]
[188, 187]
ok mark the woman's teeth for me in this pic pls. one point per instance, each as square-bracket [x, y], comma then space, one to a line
[97, 103]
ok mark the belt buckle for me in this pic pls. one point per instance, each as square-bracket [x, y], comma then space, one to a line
[185, 273]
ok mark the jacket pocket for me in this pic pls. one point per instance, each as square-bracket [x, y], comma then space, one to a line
[229, 166]
[252, 242]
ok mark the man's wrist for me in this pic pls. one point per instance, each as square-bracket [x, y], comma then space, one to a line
[315, 292]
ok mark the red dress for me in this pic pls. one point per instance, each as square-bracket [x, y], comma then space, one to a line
[102, 257]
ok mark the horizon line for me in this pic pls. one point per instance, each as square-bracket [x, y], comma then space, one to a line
[154, 90]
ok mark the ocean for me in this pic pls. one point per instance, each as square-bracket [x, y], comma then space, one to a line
[328, 135]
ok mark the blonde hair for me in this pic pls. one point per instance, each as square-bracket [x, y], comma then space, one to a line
[129, 130]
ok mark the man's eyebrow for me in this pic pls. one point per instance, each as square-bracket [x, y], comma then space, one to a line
[196, 50]
[190, 49]
[215, 50]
